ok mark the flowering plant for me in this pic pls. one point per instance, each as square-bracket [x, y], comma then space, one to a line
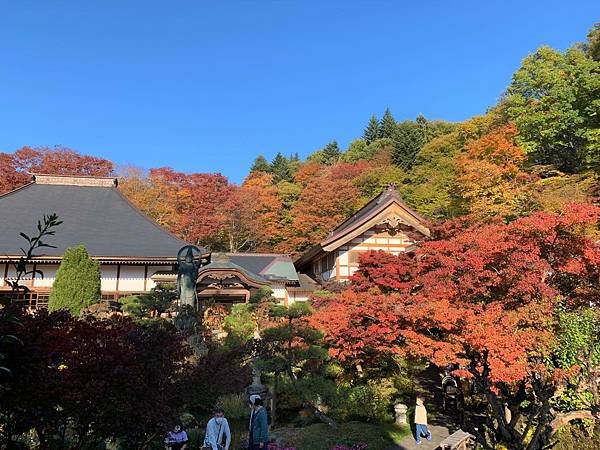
[274, 446]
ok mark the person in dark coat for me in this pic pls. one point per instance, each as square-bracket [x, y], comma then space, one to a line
[258, 437]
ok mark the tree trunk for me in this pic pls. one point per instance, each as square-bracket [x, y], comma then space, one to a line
[565, 418]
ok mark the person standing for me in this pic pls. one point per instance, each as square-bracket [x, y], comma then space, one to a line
[258, 436]
[216, 428]
[176, 439]
[421, 421]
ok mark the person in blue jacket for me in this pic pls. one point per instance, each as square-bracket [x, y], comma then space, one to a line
[258, 437]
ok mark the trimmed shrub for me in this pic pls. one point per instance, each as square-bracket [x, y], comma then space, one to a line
[77, 282]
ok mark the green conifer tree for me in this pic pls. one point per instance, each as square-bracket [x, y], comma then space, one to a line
[371, 133]
[260, 165]
[280, 168]
[331, 153]
[77, 282]
[387, 128]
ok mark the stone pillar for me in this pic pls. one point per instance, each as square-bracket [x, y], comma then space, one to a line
[400, 410]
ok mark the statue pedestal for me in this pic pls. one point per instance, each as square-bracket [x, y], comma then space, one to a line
[400, 409]
[257, 388]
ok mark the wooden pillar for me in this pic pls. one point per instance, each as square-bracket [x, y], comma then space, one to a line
[145, 277]
[118, 276]
[33, 275]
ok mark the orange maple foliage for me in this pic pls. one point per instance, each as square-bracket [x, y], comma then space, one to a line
[490, 177]
[323, 204]
[15, 168]
[252, 214]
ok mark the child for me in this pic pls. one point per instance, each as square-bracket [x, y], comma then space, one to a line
[421, 421]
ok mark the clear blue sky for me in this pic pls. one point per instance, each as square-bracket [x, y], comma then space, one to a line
[206, 86]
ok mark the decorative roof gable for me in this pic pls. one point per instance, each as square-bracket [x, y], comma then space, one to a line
[386, 209]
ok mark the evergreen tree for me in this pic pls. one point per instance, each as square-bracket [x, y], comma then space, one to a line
[260, 165]
[371, 133]
[423, 124]
[77, 282]
[280, 168]
[592, 47]
[411, 136]
[408, 141]
[331, 153]
[387, 128]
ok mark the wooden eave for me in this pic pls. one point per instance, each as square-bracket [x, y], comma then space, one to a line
[244, 277]
[157, 260]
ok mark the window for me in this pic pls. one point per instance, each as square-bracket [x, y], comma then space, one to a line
[330, 261]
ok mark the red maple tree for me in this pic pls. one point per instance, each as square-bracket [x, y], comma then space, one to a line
[482, 297]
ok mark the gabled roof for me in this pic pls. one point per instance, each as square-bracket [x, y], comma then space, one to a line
[94, 213]
[388, 197]
[387, 206]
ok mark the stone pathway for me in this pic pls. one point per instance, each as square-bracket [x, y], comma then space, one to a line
[441, 425]
[438, 434]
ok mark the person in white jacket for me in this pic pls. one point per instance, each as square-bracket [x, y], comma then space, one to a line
[216, 429]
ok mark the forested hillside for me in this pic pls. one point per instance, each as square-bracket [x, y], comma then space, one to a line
[537, 149]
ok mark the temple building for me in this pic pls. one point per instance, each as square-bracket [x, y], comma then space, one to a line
[134, 252]
[385, 223]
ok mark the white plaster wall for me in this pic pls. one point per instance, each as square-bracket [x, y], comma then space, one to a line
[131, 279]
[2, 270]
[49, 271]
[108, 277]
[297, 296]
[12, 274]
[343, 256]
[279, 291]
[151, 271]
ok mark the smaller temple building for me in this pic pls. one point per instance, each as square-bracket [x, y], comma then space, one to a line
[232, 277]
[384, 223]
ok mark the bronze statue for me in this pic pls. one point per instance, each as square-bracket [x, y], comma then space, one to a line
[187, 275]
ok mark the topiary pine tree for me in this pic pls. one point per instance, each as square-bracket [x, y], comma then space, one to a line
[260, 165]
[371, 133]
[77, 282]
[387, 128]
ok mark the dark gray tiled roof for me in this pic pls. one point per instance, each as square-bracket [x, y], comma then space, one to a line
[101, 218]
[269, 266]
[220, 261]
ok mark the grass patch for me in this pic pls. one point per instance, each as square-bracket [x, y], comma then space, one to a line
[323, 437]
